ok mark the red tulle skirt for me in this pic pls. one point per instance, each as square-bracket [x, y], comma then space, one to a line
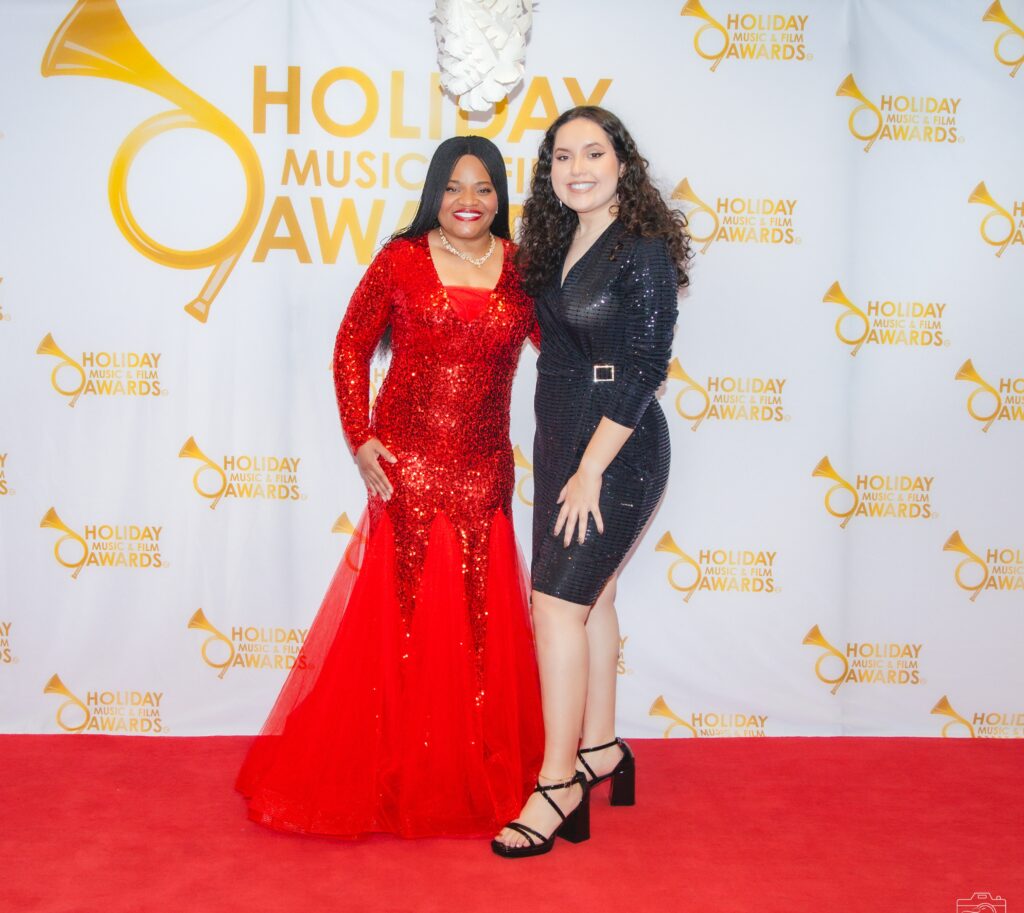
[415, 730]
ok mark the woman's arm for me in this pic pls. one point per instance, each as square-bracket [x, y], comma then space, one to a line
[534, 334]
[368, 314]
[650, 308]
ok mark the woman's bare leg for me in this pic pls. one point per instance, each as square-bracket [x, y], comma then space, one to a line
[562, 658]
[599, 715]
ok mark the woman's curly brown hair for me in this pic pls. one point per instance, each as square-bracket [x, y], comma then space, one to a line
[548, 226]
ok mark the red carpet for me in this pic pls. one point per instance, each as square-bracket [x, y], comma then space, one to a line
[103, 824]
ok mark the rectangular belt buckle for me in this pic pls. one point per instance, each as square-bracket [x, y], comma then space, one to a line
[604, 373]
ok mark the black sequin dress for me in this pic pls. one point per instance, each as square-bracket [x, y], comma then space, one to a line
[606, 340]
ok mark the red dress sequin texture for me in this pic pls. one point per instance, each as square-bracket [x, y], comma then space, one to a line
[414, 705]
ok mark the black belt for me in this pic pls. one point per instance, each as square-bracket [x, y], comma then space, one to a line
[602, 373]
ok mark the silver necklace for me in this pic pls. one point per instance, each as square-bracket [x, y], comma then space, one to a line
[476, 261]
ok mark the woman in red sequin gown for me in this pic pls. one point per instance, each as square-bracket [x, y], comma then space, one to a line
[414, 705]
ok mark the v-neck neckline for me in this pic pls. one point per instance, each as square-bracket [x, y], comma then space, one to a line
[483, 288]
[565, 278]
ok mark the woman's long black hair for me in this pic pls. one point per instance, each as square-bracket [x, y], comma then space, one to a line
[439, 172]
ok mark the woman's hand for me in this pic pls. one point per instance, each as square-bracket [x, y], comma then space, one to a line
[579, 499]
[368, 462]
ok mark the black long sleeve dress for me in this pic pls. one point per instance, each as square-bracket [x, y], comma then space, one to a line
[606, 340]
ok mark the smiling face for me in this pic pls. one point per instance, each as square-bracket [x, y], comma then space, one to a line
[470, 201]
[584, 168]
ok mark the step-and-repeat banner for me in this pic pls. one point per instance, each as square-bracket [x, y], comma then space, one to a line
[189, 192]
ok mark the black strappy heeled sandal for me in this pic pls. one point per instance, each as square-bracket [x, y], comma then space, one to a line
[623, 776]
[575, 826]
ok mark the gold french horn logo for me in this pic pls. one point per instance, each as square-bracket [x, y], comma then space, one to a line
[353, 553]
[343, 525]
[981, 195]
[56, 686]
[995, 13]
[667, 544]
[944, 708]
[836, 295]
[712, 25]
[52, 521]
[814, 638]
[676, 372]
[49, 347]
[955, 543]
[967, 372]
[190, 450]
[683, 191]
[661, 708]
[522, 462]
[824, 470]
[848, 88]
[200, 622]
[96, 40]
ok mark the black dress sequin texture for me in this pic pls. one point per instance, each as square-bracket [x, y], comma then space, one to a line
[617, 306]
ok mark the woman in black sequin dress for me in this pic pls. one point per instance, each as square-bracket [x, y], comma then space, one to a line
[604, 257]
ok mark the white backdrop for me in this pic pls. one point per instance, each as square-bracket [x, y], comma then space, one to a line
[852, 174]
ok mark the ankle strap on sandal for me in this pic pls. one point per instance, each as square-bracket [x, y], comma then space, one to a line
[610, 744]
[565, 784]
[583, 751]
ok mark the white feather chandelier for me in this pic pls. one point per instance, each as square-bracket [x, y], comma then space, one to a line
[481, 48]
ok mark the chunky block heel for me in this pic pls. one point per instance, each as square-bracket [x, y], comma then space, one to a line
[623, 776]
[575, 826]
[623, 788]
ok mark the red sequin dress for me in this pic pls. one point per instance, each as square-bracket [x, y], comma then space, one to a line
[414, 706]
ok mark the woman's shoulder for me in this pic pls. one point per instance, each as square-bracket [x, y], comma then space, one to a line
[644, 252]
[639, 245]
[397, 251]
[511, 263]
[646, 259]
[402, 246]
